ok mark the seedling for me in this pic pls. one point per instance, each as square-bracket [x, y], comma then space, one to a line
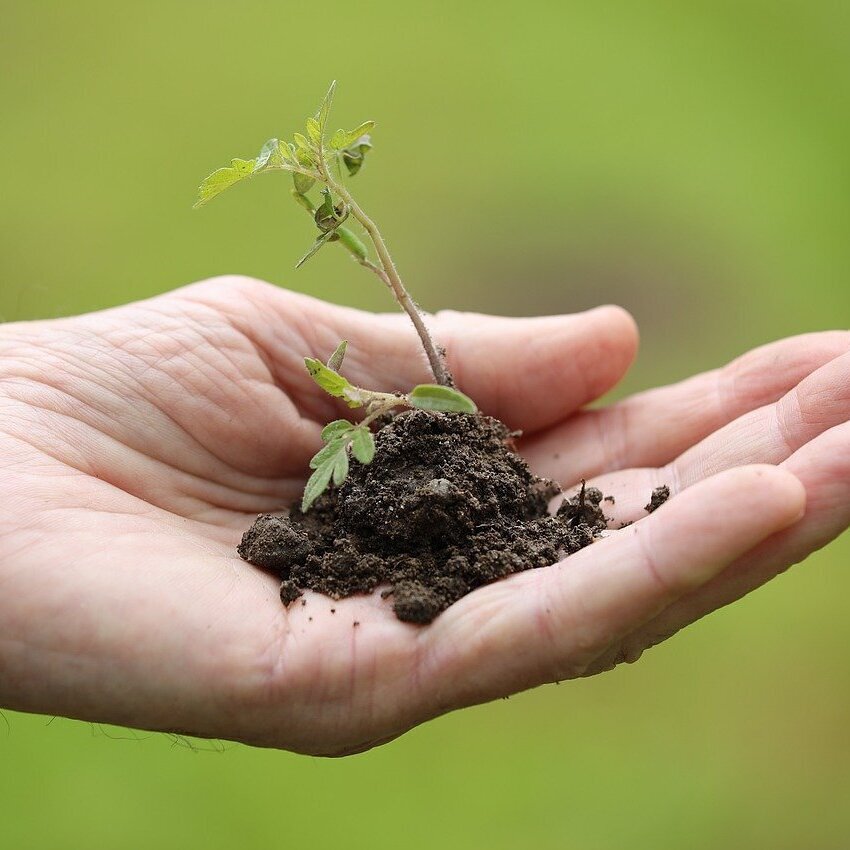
[312, 158]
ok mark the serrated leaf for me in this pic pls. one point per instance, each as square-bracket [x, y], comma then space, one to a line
[317, 483]
[337, 428]
[325, 107]
[215, 183]
[336, 445]
[442, 399]
[363, 444]
[313, 130]
[335, 360]
[302, 182]
[342, 139]
[325, 237]
[331, 382]
[244, 167]
[269, 154]
[340, 472]
[223, 178]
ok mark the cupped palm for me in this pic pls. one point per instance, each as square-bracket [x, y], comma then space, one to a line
[138, 443]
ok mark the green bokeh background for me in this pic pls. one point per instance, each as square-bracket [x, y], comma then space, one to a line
[687, 160]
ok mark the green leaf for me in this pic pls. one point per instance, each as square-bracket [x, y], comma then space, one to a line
[325, 237]
[352, 242]
[443, 399]
[354, 155]
[222, 179]
[303, 201]
[325, 107]
[287, 152]
[324, 215]
[314, 131]
[245, 167]
[363, 444]
[216, 183]
[331, 382]
[269, 155]
[329, 451]
[335, 360]
[327, 216]
[340, 472]
[337, 428]
[305, 158]
[342, 139]
[302, 142]
[302, 182]
[317, 483]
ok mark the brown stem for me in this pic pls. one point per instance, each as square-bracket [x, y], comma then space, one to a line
[392, 279]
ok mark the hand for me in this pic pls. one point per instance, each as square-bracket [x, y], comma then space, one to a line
[138, 443]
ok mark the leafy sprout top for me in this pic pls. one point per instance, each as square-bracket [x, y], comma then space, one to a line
[312, 158]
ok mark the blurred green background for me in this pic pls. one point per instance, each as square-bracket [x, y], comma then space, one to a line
[687, 160]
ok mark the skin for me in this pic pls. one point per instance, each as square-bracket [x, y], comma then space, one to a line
[138, 443]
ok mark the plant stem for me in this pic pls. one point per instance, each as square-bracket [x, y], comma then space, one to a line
[368, 264]
[346, 238]
[380, 411]
[389, 274]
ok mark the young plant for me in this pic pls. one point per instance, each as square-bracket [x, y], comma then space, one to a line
[315, 157]
[341, 436]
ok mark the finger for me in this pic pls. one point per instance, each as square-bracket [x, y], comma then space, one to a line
[529, 372]
[549, 624]
[823, 468]
[770, 434]
[534, 372]
[652, 428]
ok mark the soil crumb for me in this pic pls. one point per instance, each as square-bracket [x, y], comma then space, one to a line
[444, 508]
[659, 496]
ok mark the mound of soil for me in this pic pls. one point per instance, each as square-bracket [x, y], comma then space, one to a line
[446, 506]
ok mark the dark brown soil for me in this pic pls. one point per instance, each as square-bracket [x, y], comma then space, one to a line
[659, 496]
[446, 506]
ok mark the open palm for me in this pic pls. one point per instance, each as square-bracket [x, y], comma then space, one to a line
[138, 443]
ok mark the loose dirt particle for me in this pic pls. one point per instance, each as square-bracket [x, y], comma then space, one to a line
[659, 496]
